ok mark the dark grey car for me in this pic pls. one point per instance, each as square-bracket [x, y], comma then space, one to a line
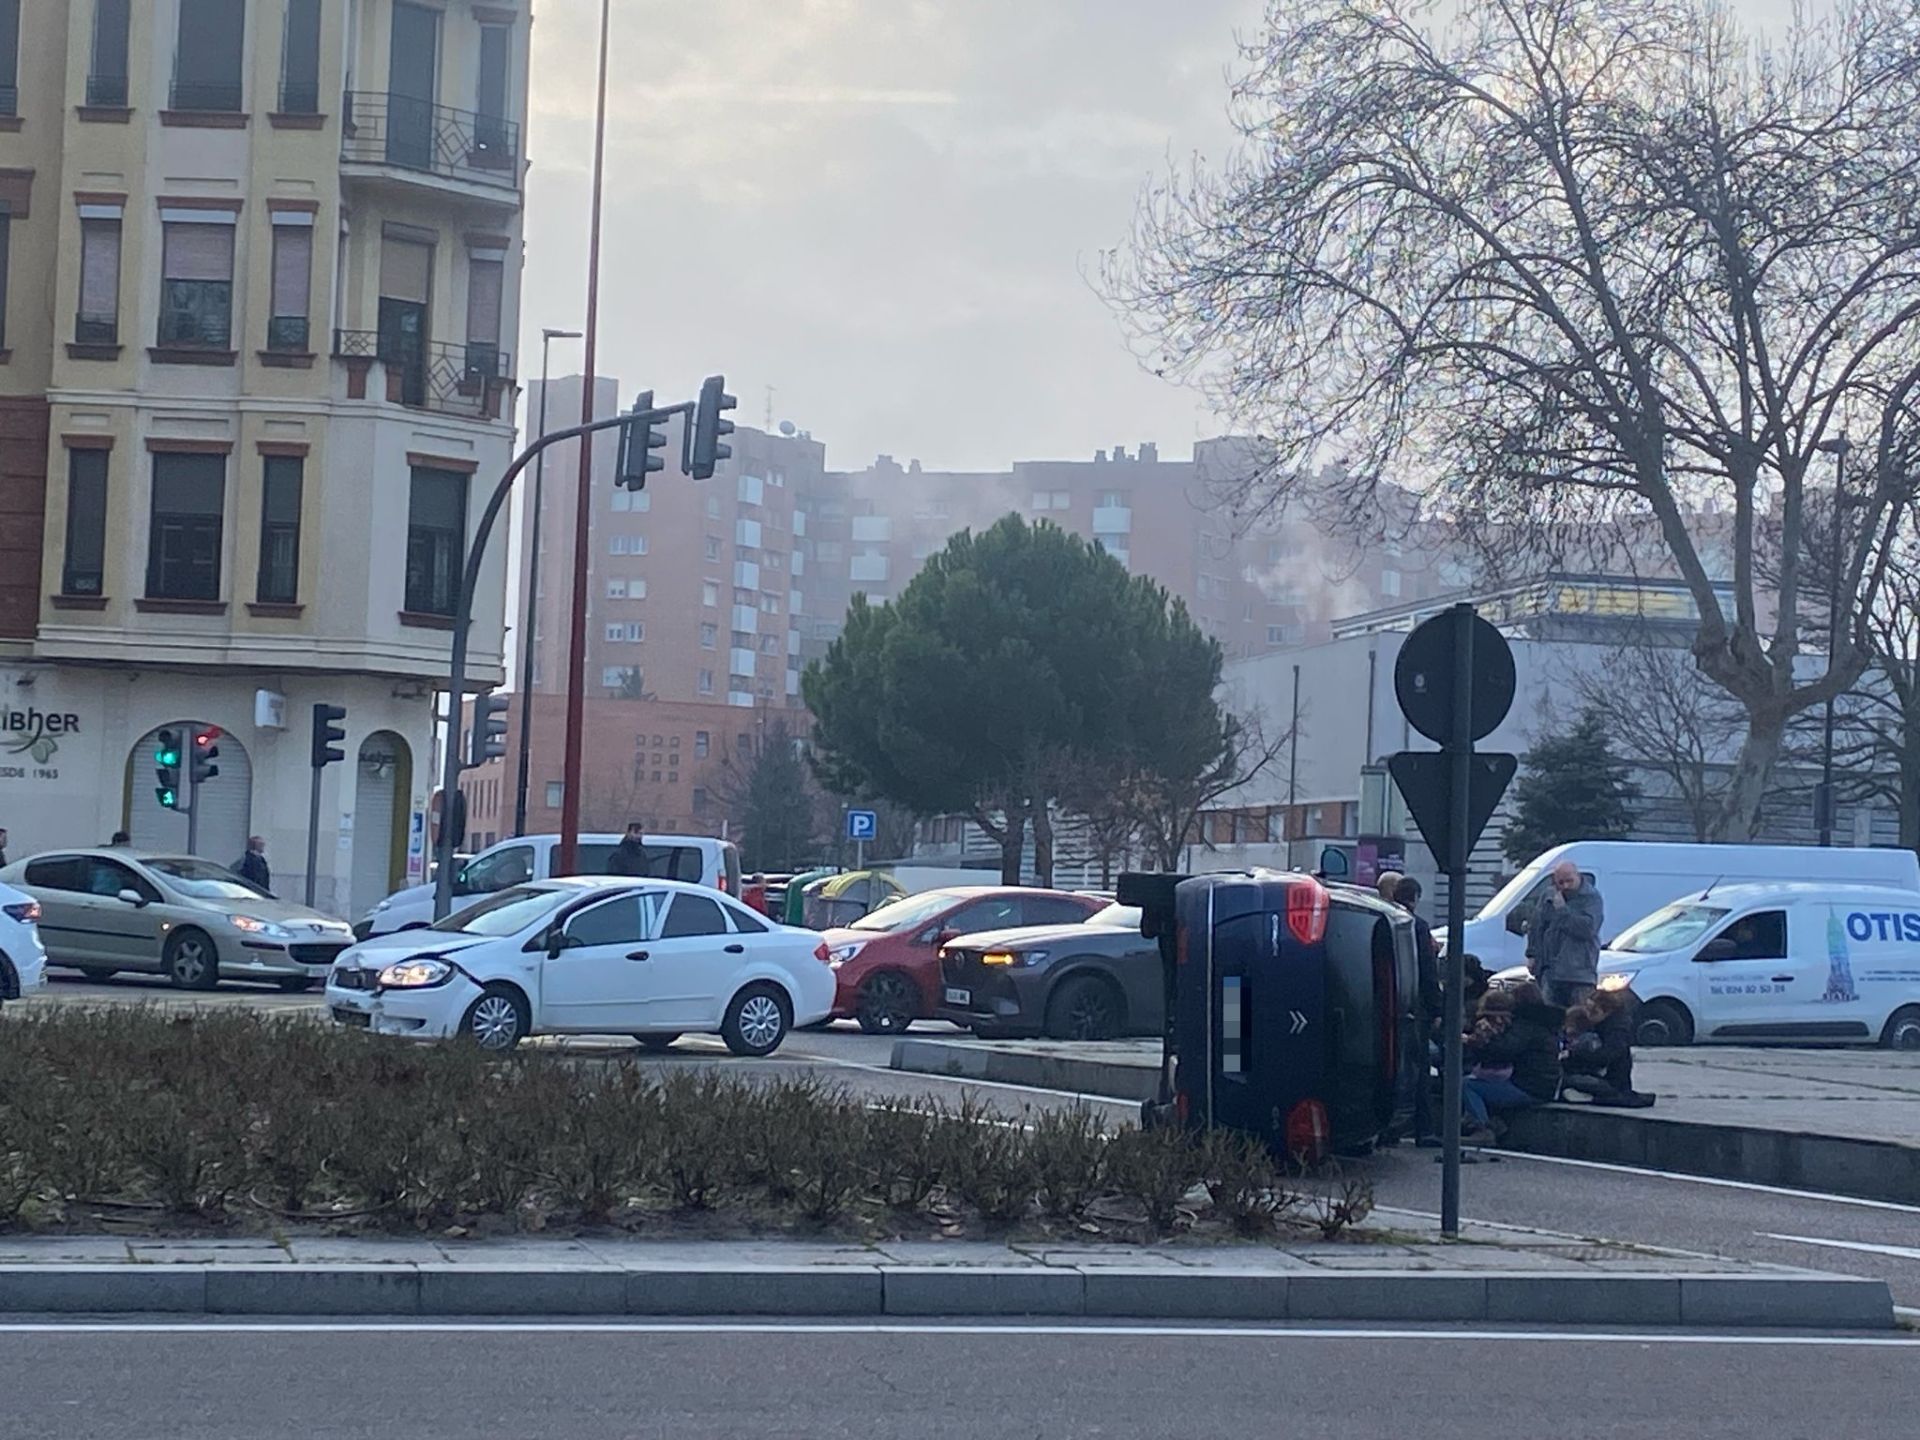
[1094, 981]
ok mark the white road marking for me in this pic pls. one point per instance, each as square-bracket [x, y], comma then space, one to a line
[1903, 1252]
[1752, 1185]
[1087, 1330]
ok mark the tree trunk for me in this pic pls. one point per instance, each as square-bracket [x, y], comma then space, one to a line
[1013, 839]
[1909, 781]
[1739, 818]
[1042, 843]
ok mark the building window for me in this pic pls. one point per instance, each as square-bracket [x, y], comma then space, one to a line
[196, 278]
[627, 500]
[496, 68]
[292, 280]
[486, 283]
[436, 540]
[713, 548]
[709, 637]
[705, 686]
[207, 59]
[6, 250]
[556, 794]
[709, 593]
[702, 743]
[613, 677]
[280, 482]
[86, 567]
[300, 61]
[1390, 583]
[98, 321]
[107, 76]
[9, 57]
[183, 546]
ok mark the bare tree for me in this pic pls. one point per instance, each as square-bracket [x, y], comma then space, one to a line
[1166, 808]
[1566, 265]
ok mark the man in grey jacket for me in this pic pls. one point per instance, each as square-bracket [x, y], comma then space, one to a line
[1563, 939]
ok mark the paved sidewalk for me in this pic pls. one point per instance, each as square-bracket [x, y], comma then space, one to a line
[1395, 1268]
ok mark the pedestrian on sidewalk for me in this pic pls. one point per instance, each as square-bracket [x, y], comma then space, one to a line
[1563, 937]
[252, 866]
[1514, 1048]
[630, 857]
[1389, 885]
[1427, 953]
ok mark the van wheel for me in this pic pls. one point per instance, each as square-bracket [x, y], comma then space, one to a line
[1085, 1008]
[757, 1021]
[1663, 1022]
[888, 1004]
[1903, 1029]
[190, 961]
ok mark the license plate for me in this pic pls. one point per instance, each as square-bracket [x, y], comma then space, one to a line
[352, 1017]
[959, 997]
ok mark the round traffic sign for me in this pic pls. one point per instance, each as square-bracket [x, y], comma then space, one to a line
[1423, 675]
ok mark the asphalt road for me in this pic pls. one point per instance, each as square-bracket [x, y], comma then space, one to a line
[937, 1383]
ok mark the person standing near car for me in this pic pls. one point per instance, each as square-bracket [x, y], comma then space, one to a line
[1563, 937]
[630, 857]
[252, 867]
[1407, 896]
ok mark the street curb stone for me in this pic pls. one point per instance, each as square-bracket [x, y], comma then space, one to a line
[1109, 1292]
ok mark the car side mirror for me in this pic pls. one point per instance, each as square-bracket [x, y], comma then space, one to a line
[1516, 922]
[133, 898]
[1720, 948]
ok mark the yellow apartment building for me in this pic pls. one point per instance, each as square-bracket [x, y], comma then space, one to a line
[259, 283]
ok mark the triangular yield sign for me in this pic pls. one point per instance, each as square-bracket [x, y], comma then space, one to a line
[1425, 779]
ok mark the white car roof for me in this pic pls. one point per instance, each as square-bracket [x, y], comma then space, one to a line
[1760, 892]
[622, 882]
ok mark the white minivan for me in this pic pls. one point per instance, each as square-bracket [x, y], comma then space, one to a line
[1789, 960]
[1637, 877]
[695, 859]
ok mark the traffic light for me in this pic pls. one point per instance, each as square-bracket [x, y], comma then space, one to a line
[166, 768]
[328, 734]
[205, 752]
[638, 440]
[708, 426]
[489, 729]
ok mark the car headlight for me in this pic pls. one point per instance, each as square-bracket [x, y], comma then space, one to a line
[414, 974]
[1618, 980]
[253, 925]
[840, 954]
[1013, 957]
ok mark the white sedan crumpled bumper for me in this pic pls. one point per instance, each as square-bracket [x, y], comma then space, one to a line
[431, 1013]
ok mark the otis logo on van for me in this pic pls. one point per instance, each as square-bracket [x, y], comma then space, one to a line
[34, 731]
[1884, 925]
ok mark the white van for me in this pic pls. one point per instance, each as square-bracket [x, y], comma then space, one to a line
[1637, 877]
[1781, 960]
[696, 859]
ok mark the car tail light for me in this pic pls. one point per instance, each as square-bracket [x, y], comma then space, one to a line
[1307, 1132]
[822, 954]
[27, 912]
[1307, 911]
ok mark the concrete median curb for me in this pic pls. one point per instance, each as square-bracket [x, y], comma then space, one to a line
[1777, 1300]
[1834, 1164]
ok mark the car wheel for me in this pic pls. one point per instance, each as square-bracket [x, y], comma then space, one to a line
[888, 1004]
[96, 974]
[1663, 1022]
[498, 1020]
[191, 962]
[757, 1021]
[1903, 1029]
[1085, 1008]
[657, 1042]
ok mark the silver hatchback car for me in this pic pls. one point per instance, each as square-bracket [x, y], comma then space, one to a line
[197, 923]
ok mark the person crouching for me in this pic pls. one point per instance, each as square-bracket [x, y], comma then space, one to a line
[1514, 1049]
[1599, 1059]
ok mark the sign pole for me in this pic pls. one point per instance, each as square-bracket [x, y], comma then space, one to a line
[1460, 757]
[313, 833]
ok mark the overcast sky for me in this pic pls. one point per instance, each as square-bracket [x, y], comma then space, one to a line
[885, 209]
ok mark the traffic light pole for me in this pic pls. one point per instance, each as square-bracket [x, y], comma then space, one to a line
[450, 758]
[313, 834]
[193, 803]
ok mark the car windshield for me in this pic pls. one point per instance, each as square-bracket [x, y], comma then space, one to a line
[203, 880]
[1117, 917]
[506, 913]
[907, 913]
[1672, 927]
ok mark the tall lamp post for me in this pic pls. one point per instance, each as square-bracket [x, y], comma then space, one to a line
[1839, 447]
[547, 337]
[577, 653]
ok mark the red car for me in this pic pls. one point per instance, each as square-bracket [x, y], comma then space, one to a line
[888, 963]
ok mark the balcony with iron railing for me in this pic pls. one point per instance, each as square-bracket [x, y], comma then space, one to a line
[107, 92]
[401, 133]
[473, 380]
[221, 96]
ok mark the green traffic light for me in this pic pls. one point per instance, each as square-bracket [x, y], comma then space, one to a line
[165, 756]
[169, 799]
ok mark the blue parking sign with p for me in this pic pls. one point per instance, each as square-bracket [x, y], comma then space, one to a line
[862, 824]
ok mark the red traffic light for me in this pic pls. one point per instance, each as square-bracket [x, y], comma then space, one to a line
[206, 737]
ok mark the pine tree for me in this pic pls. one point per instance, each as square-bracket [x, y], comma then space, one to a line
[1572, 787]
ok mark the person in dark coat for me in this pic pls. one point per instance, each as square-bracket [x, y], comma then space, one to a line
[1432, 1005]
[630, 856]
[1599, 1058]
[252, 866]
[1526, 1049]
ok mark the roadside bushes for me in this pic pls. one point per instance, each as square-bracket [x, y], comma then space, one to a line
[234, 1119]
